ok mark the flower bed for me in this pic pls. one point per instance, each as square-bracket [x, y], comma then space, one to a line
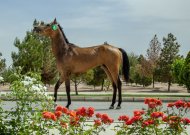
[28, 119]
[151, 121]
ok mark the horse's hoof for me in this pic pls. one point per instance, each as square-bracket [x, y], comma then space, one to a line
[118, 107]
[67, 107]
[111, 107]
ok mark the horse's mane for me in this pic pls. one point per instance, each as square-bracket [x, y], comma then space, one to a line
[64, 36]
[67, 41]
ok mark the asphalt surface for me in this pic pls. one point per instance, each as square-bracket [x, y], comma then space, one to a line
[101, 107]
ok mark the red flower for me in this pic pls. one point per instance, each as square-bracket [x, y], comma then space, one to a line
[129, 122]
[165, 118]
[98, 115]
[62, 109]
[147, 122]
[170, 105]
[151, 105]
[65, 110]
[136, 118]
[138, 112]
[90, 111]
[158, 102]
[179, 104]
[185, 120]
[59, 108]
[187, 105]
[123, 118]
[72, 113]
[152, 102]
[46, 115]
[49, 115]
[106, 119]
[81, 111]
[157, 114]
[97, 123]
[53, 117]
[58, 114]
[146, 100]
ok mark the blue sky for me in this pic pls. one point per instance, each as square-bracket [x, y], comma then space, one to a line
[129, 24]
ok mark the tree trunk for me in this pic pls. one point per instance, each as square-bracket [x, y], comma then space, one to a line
[102, 88]
[153, 80]
[169, 84]
[76, 91]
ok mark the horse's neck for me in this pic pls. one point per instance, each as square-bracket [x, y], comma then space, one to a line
[59, 46]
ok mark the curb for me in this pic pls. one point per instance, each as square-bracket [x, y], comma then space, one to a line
[124, 99]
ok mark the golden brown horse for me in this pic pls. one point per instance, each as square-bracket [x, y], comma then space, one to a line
[71, 59]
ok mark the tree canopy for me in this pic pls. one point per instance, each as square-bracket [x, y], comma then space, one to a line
[2, 63]
[34, 54]
[169, 53]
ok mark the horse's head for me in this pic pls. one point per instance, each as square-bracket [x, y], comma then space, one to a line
[49, 29]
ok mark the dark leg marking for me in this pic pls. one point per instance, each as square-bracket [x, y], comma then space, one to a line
[67, 85]
[57, 85]
[119, 84]
[114, 96]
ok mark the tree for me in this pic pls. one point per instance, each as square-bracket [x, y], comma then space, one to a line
[7, 75]
[34, 54]
[142, 74]
[49, 72]
[177, 69]
[153, 53]
[133, 60]
[169, 53]
[185, 74]
[98, 78]
[2, 63]
[85, 77]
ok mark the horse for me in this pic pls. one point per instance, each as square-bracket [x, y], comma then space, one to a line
[72, 59]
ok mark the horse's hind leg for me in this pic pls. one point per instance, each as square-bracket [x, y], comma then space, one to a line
[113, 84]
[57, 85]
[67, 84]
[114, 96]
[119, 93]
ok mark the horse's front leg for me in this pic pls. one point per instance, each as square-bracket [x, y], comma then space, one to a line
[57, 85]
[68, 89]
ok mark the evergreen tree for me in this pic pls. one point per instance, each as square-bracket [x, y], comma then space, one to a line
[185, 74]
[177, 69]
[153, 53]
[2, 63]
[133, 60]
[169, 53]
[34, 54]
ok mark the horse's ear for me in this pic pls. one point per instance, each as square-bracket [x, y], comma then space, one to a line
[55, 21]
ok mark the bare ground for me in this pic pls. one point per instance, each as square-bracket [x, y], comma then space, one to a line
[159, 88]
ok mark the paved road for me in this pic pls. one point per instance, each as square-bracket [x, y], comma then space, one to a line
[102, 107]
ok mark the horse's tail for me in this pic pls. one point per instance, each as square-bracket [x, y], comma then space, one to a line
[125, 66]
